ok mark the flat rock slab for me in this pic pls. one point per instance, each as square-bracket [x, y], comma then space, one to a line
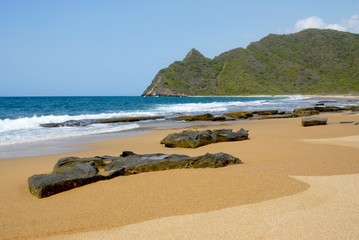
[44, 185]
[72, 172]
[313, 121]
[194, 139]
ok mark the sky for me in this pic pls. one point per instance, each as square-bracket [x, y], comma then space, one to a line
[115, 48]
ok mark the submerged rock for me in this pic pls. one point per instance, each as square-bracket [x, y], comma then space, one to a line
[74, 172]
[194, 139]
[70, 123]
[86, 122]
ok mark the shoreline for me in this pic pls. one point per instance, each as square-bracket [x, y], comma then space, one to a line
[75, 143]
[277, 150]
[19, 141]
[310, 96]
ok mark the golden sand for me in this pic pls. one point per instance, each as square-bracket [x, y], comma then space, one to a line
[265, 191]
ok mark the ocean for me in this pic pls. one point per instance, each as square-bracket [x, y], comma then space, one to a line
[22, 135]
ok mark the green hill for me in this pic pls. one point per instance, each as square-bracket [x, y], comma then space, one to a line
[309, 62]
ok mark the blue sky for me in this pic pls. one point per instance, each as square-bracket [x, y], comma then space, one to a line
[92, 48]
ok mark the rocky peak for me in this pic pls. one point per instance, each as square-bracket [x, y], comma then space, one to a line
[193, 54]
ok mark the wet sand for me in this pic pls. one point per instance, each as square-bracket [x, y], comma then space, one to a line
[277, 156]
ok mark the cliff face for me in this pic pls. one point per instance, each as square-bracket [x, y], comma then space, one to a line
[309, 62]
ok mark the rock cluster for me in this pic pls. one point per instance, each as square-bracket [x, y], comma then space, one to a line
[194, 139]
[72, 172]
[229, 116]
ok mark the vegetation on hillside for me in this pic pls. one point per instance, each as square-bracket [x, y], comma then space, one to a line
[309, 62]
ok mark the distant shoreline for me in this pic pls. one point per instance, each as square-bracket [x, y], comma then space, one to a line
[314, 96]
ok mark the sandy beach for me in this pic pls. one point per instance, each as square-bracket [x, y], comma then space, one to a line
[296, 183]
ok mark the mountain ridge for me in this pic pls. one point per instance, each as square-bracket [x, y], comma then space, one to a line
[312, 61]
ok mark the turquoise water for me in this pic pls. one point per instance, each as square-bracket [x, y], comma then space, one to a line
[20, 117]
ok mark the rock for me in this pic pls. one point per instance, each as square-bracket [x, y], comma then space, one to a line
[188, 139]
[127, 119]
[266, 112]
[346, 122]
[313, 121]
[278, 116]
[202, 117]
[352, 108]
[135, 164]
[44, 185]
[218, 119]
[74, 172]
[70, 123]
[227, 135]
[304, 112]
[308, 111]
[239, 115]
[86, 122]
[69, 162]
[194, 139]
[329, 108]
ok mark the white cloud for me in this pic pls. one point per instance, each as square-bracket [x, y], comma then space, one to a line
[353, 23]
[310, 22]
[350, 25]
[336, 26]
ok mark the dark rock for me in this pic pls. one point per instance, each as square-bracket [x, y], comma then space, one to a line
[353, 108]
[304, 112]
[70, 162]
[346, 122]
[127, 153]
[86, 122]
[202, 117]
[155, 162]
[220, 118]
[127, 119]
[239, 115]
[70, 123]
[266, 112]
[313, 121]
[308, 111]
[188, 139]
[44, 185]
[286, 115]
[329, 108]
[194, 139]
[74, 172]
[227, 135]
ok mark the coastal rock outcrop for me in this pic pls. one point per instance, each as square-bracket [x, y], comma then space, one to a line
[72, 172]
[201, 117]
[314, 121]
[85, 122]
[238, 115]
[44, 185]
[304, 112]
[194, 139]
